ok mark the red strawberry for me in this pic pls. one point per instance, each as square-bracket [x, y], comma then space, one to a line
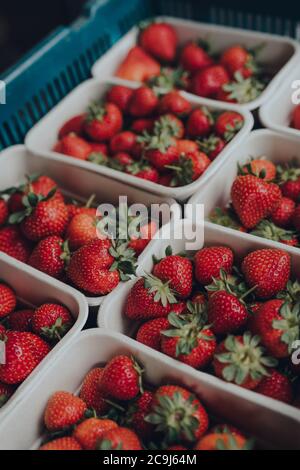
[63, 410]
[8, 300]
[14, 244]
[20, 320]
[277, 324]
[254, 199]
[120, 439]
[3, 212]
[160, 41]
[277, 386]
[24, 351]
[123, 142]
[186, 146]
[228, 124]
[289, 179]
[73, 125]
[142, 102]
[167, 179]
[97, 268]
[137, 413]
[267, 229]
[121, 161]
[150, 332]
[6, 392]
[82, 230]
[90, 392]
[50, 256]
[90, 431]
[144, 171]
[97, 147]
[295, 219]
[189, 167]
[74, 146]
[142, 124]
[296, 117]
[52, 321]
[209, 82]
[138, 66]
[189, 339]
[209, 262]
[169, 124]
[220, 441]
[238, 59]
[174, 103]
[211, 146]
[103, 121]
[242, 361]
[149, 298]
[194, 57]
[162, 156]
[178, 414]
[226, 313]
[177, 271]
[260, 167]
[62, 443]
[121, 378]
[199, 123]
[120, 96]
[268, 270]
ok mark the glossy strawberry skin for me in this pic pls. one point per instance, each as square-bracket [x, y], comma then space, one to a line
[63, 410]
[291, 189]
[149, 333]
[226, 313]
[14, 244]
[48, 256]
[178, 271]
[138, 66]
[235, 59]
[75, 124]
[283, 214]
[161, 159]
[8, 300]
[121, 438]
[61, 444]
[276, 386]
[174, 103]
[120, 379]
[123, 142]
[209, 82]
[159, 40]
[20, 320]
[47, 316]
[228, 121]
[120, 96]
[90, 431]
[142, 102]
[105, 127]
[90, 392]
[210, 260]
[82, 230]
[194, 58]
[3, 212]
[74, 146]
[198, 124]
[137, 414]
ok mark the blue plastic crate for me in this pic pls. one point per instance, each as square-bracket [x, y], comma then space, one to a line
[64, 59]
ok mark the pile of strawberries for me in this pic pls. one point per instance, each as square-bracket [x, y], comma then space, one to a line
[237, 322]
[145, 133]
[232, 75]
[265, 202]
[28, 334]
[295, 123]
[115, 410]
[62, 238]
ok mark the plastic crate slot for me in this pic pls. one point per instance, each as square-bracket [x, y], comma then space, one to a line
[31, 113]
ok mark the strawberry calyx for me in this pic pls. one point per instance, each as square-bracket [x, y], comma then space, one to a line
[247, 170]
[168, 252]
[232, 444]
[66, 254]
[3, 399]
[168, 80]
[209, 144]
[125, 259]
[288, 172]
[224, 217]
[166, 126]
[162, 291]
[137, 167]
[174, 416]
[56, 331]
[244, 358]
[30, 201]
[267, 229]
[291, 292]
[106, 444]
[96, 112]
[184, 171]
[232, 284]
[243, 89]
[23, 187]
[98, 158]
[154, 141]
[289, 324]
[140, 372]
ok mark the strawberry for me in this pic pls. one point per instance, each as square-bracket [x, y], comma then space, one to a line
[189, 339]
[20, 320]
[120, 96]
[194, 57]
[159, 40]
[168, 80]
[6, 392]
[63, 410]
[226, 313]
[149, 298]
[142, 102]
[50, 256]
[177, 271]
[90, 392]
[169, 124]
[138, 66]
[90, 431]
[209, 82]
[121, 161]
[119, 439]
[8, 300]
[122, 142]
[138, 243]
[97, 267]
[217, 441]
[254, 199]
[63, 444]
[296, 117]
[75, 209]
[210, 260]
[144, 171]
[226, 218]
[52, 321]
[142, 124]
[295, 219]
[82, 230]
[3, 212]
[289, 180]
[178, 414]
[24, 351]
[74, 146]
[103, 121]
[228, 124]
[161, 155]
[176, 448]
[242, 361]
[241, 90]
[260, 167]
[186, 146]
[276, 386]
[238, 59]
[98, 147]
[73, 125]
[199, 122]
[174, 103]
[121, 378]
[212, 146]
[136, 414]
[189, 167]
[267, 229]
[14, 244]
[277, 323]
[267, 269]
